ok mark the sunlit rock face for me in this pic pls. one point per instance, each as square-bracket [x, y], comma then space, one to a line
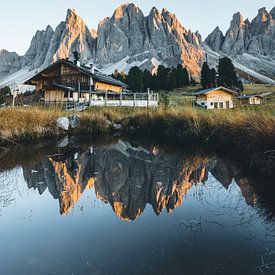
[10, 62]
[128, 33]
[69, 36]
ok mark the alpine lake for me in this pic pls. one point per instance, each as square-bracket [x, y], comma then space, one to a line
[111, 206]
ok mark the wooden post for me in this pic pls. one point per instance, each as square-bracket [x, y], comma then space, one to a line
[120, 98]
[106, 97]
[78, 91]
[90, 94]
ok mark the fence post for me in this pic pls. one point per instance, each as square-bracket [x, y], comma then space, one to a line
[134, 99]
[120, 98]
[105, 98]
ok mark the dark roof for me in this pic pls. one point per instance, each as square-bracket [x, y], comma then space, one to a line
[207, 91]
[248, 96]
[98, 76]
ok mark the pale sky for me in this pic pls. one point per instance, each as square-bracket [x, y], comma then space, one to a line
[20, 19]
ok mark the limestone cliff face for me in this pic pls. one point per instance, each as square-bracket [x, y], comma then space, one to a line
[36, 54]
[128, 33]
[252, 44]
[142, 40]
[69, 36]
[10, 62]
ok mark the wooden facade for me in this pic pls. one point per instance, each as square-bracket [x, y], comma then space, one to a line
[66, 81]
[216, 98]
[250, 99]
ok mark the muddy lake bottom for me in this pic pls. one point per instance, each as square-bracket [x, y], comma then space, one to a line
[124, 208]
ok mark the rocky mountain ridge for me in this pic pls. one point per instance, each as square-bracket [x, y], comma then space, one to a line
[251, 44]
[129, 38]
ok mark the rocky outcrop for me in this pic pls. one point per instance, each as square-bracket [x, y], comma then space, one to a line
[160, 36]
[36, 54]
[10, 62]
[128, 36]
[69, 36]
[215, 39]
[252, 44]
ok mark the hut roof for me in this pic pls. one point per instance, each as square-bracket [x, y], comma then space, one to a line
[207, 91]
[248, 96]
[96, 75]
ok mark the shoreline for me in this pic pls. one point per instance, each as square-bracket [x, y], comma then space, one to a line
[247, 134]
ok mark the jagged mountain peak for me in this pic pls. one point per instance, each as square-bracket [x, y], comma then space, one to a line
[74, 20]
[262, 17]
[237, 20]
[127, 8]
[71, 13]
[250, 44]
[49, 28]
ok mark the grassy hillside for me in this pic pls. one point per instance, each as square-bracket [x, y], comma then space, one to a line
[258, 88]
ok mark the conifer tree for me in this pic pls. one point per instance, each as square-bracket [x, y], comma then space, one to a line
[205, 76]
[135, 79]
[227, 75]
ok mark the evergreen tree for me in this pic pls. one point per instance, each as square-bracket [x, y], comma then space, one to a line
[212, 78]
[147, 80]
[205, 76]
[163, 78]
[135, 79]
[227, 75]
[182, 77]
[186, 80]
[3, 93]
[173, 79]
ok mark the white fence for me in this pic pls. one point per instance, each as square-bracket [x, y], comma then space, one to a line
[124, 103]
[127, 100]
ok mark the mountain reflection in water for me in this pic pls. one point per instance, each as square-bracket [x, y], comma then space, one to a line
[221, 216]
[129, 178]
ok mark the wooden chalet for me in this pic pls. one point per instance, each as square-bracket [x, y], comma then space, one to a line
[250, 99]
[215, 98]
[68, 81]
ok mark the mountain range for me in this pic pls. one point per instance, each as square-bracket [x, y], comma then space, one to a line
[129, 38]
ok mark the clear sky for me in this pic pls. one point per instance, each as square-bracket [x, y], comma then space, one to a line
[20, 19]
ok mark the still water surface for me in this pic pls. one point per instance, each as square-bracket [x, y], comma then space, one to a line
[127, 209]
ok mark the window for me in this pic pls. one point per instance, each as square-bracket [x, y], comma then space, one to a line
[202, 103]
[216, 105]
[66, 94]
[221, 105]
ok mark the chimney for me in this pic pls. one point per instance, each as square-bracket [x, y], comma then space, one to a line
[76, 58]
[92, 68]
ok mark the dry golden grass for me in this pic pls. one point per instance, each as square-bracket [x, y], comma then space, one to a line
[20, 122]
[180, 121]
